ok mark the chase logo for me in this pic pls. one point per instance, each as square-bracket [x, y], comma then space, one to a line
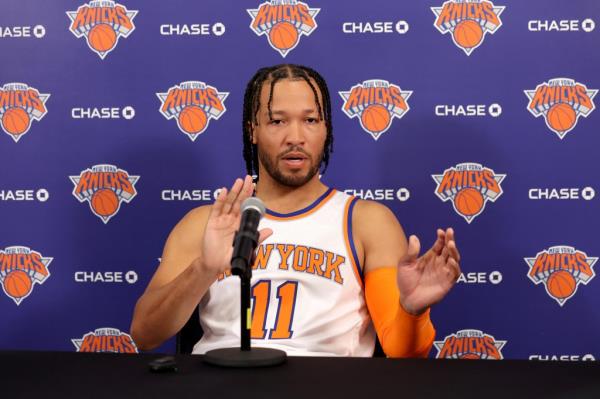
[102, 23]
[38, 31]
[561, 101]
[104, 187]
[375, 103]
[468, 21]
[20, 104]
[469, 344]
[20, 268]
[105, 339]
[192, 104]
[42, 195]
[562, 25]
[561, 269]
[469, 186]
[283, 22]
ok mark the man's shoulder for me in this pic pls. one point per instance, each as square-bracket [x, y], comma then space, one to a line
[371, 219]
[192, 222]
[367, 209]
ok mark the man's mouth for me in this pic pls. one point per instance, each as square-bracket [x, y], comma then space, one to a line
[294, 158]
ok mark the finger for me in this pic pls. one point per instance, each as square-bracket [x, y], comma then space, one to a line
[453, 264]
[264, 234]
[445, 254]
[412, 252]
[449, 234]
[454, 250]
[217, 208]
[232, 196]
[439, 242]
[250, 188]
[245, 192]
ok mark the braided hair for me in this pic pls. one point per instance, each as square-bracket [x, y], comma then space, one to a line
[252, 105]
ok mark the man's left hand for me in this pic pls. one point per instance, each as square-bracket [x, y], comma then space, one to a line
[426, 280]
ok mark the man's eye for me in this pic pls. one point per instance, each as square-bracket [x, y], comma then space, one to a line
[312, 120]
[275, 122]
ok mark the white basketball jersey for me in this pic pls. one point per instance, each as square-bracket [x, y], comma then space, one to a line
[307, 291]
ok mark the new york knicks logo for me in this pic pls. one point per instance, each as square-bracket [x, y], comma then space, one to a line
[102, 23]
[283, 22]
[105, 339]
[467, 21]
[20, 104]
[561, 101]
[104, 187]
[21, 268]
[375, 103]
[192, 104]
[469, 344]
[561, 269]
[469, 186]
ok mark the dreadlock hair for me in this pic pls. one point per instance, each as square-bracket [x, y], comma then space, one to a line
[252, 104]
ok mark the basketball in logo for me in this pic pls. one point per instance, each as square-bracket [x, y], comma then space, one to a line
[17, 284]
[561, 284]
[561, 117]
[375, 118]
[102, 38]
[283, 35]
[105, 202]
[468, 201]
[15, 121]
[468, 34]
[192, 119]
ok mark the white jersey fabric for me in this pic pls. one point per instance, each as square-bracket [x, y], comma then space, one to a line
[307, 291]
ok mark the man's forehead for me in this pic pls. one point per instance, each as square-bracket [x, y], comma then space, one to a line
[297, 82]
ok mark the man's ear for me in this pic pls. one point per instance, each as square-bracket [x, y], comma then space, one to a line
[251, 132]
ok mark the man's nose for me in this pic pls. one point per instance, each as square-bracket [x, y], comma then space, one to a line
[295, 134]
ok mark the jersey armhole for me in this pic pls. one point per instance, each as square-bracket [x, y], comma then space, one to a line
[349, 240]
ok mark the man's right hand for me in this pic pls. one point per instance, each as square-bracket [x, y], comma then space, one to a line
[221, 226]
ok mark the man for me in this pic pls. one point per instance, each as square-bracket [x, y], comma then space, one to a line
[328, 263]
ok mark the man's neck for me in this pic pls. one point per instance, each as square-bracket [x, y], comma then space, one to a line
[284, 199]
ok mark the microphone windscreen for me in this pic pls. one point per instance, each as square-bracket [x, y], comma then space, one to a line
[254, 203]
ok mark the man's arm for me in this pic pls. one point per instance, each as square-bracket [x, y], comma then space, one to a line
[399, 288]
[176, 287]
[197, 250]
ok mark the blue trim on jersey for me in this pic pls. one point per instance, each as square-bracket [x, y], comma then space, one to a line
[351, 239]
[301, 211]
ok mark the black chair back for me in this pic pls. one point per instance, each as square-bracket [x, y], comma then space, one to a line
[189, 334]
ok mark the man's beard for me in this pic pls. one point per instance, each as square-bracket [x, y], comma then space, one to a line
[291, 180]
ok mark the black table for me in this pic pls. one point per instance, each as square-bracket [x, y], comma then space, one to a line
[93, 375]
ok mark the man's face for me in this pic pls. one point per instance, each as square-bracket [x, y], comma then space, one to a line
[290, 146]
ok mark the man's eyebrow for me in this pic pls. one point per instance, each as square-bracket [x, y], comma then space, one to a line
[282, 112]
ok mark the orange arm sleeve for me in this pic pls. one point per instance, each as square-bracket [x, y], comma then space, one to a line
[400, 333]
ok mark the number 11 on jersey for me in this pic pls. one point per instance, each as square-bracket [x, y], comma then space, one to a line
[286, 303]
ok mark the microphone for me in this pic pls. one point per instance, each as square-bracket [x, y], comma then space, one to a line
[246, 238]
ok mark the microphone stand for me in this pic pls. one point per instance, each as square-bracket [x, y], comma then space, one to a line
[245, 356]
